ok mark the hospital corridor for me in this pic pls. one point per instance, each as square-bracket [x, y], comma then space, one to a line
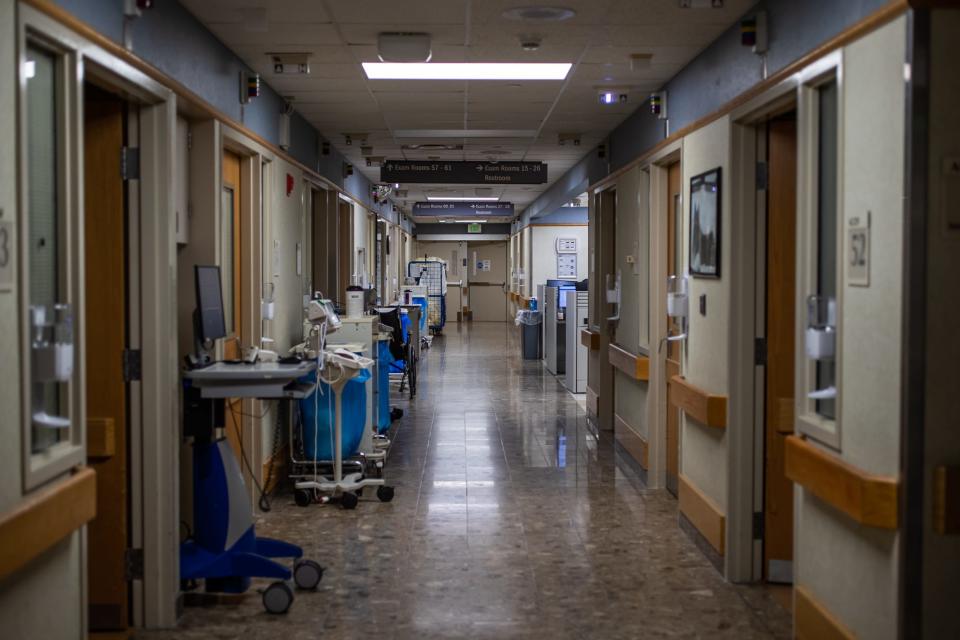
[479, 319]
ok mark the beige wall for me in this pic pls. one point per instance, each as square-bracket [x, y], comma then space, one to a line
[543, 240]
[852, 570]
[632, 243]
[703, 456]
[45, 599]
[284, 225]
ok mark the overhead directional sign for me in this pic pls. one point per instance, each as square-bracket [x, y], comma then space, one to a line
[463, 209]
[463, 172]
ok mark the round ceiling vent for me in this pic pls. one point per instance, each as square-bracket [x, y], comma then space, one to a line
[539, 14]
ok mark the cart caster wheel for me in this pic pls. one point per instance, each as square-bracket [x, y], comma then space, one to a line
[302, 497]
[307, 574]
[349, 500]
[277, 598]
[385, 493]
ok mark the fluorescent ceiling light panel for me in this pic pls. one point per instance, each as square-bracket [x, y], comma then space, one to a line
[464, 133]
[466, 70]
[462, 199]
[470, 221]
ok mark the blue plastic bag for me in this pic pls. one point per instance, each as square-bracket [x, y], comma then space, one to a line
[384, 360]
[318, 436]
[424, 307]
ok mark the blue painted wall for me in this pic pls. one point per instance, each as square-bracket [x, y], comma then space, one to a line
[588, 170]
[722, 71]
[562, 215]
[171, 39]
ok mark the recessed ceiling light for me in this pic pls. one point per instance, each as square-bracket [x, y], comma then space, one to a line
[463, 199]
[539, 14]
[466, 70]
[464, 133]
[432, 146]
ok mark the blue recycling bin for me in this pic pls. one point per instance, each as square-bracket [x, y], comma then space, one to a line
[318, 413]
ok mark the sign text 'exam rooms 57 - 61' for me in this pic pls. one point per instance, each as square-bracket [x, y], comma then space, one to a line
[463, 172]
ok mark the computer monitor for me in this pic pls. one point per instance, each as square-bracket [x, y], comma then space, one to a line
[210, 323]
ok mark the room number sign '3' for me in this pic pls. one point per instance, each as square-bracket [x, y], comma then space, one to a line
[6, 254]
[858, 251]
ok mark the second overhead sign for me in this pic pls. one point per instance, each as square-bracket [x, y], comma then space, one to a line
[463, 172]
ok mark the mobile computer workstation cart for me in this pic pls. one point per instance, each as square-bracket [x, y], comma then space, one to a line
[224, 550]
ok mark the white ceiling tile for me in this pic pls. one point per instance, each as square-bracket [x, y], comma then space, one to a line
[336, 97]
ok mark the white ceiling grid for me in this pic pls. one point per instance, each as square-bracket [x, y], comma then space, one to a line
[337, 98]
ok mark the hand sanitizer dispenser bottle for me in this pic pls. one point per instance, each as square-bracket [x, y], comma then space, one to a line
[678, 305]
[820, 337]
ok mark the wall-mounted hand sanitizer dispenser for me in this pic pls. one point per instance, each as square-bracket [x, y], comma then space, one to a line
[52, 343]
[678, 305]
[52, 359]
[678, 297]
[268, 307]
[820, 337]
[613, 294]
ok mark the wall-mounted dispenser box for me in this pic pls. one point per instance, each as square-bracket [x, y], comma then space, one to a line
[678, 297]
[613, 288]
[52, 359]
[678, 305]
[52, 344]
[820, 337]
[268, 307]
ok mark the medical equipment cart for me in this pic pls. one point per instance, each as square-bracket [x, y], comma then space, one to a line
[315, 476]
[224, 549]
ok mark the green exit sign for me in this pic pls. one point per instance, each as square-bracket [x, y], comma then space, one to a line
[473, 227]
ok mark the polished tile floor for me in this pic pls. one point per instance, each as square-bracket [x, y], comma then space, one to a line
[511, 520]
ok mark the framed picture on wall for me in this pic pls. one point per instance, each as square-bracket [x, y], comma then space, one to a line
[705, 224]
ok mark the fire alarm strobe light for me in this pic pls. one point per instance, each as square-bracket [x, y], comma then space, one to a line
[607, 97]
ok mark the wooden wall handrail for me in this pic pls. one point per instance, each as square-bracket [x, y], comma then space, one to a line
[703, 513]
[590, 339]
[635, 444]
[593, 401]
[45, 518]
[634, 365]
[867, 498]
[704, 407]
[813, 621]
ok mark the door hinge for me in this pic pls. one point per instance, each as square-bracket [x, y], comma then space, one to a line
[130, 163]
[760, 351]
[758, 525]
[762, 176]
[132, 365]
[189, 140]
[133, 564]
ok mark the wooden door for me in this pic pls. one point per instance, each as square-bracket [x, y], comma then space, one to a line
[607, 273]
[105, 340]
[488, 281]
[674, 268]
[230, 278]
[780, 291]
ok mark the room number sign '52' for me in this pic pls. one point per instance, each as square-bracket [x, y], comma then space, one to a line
[858, 251]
